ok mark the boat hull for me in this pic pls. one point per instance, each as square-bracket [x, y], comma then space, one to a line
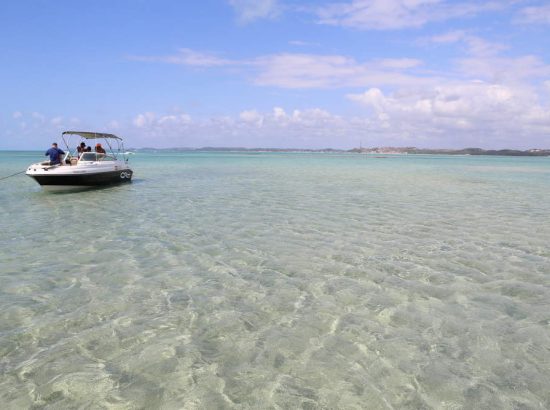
[64, 182]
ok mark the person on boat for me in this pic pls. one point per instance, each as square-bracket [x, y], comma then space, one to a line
[81, 148]
[55, 154]
[99, 149]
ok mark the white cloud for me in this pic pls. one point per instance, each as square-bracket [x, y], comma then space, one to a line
[534, 15]
[252, 117]
[56, 121]
[398, 63]
[292, 70]
[113, 125]
[499, 69]
[457, 114]
[38, 116]
[313, 127]
[304, 70]
[466, 100]
[36, 127]
[474, 110]
[484, 97]
[250, 10]
[153, 121]
[300, 43]
[300, 70]
[179, 119]
[188, 57]
[313, 118]
[481, 47]
[398, 14]
[475, 45]
[484, 60]
[141, 120]
[449, 37]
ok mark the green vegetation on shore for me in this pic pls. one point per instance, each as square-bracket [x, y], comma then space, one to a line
[465, 151]
[376, 150]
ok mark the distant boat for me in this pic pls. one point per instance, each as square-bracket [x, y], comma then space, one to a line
[86, 169]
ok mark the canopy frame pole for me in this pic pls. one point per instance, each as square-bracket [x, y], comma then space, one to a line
[110, 148]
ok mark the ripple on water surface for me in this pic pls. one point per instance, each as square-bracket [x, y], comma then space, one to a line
[280, 281]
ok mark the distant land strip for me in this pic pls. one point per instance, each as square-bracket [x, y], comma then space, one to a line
[535, 152]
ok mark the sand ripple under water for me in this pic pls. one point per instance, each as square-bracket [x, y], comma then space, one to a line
[280, 281]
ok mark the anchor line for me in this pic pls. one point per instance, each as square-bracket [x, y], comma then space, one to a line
[12, 175]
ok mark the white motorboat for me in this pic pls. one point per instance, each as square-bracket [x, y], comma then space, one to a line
[79, 170]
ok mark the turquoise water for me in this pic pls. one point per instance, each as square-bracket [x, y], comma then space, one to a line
[227, 280]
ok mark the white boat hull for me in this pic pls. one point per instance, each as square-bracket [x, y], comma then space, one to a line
[81, 176]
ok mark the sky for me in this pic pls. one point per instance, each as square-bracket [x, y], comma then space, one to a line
[277, 73]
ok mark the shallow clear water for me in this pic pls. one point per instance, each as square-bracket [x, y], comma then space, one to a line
[226, 280]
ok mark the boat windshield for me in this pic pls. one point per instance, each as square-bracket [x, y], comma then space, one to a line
[92, 156]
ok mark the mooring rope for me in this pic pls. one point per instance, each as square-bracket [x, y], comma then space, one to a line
[12, 175]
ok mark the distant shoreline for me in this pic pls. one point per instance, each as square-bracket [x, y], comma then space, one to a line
[535, 152]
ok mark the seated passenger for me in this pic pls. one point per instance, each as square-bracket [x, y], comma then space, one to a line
[55, 154]
[99, 149]
[81, 148]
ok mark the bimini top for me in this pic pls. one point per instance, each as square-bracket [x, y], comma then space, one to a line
[91, 135]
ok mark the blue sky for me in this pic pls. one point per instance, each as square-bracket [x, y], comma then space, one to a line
[275, 73]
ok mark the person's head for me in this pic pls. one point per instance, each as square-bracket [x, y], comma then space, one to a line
[83, 145]
[54, 144]
[98, 145]
[88, 148]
